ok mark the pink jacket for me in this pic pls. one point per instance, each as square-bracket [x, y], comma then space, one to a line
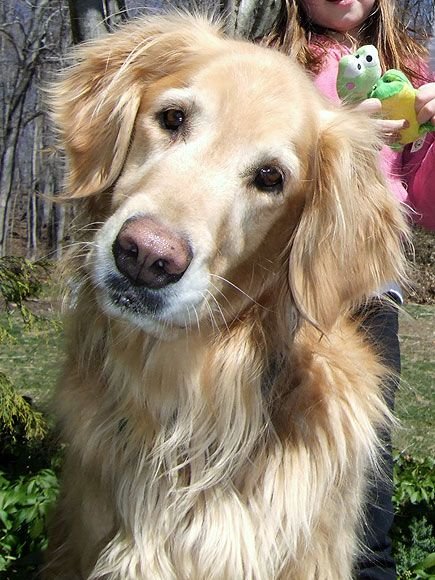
[411, 173]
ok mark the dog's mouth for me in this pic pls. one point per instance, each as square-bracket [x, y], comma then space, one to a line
[159, 312]
[135, 299]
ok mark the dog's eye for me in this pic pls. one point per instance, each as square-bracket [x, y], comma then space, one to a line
[269, 179]
[172, 119]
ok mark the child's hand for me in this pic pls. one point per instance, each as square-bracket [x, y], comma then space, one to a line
[390, 128]
[425, 103]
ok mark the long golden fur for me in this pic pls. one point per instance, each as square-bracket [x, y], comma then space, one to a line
[220, 423]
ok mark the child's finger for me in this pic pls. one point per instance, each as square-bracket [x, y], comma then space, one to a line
[389, 126]
[370, 106]
[425, 103]
[427, 113]
[390, 129]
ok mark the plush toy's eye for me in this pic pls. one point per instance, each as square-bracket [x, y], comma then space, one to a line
[172, 119]
[269, 179]
[369, 58]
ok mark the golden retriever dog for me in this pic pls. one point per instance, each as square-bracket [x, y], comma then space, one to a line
[219, 403]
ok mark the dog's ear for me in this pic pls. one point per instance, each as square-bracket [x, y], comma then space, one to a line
[95, 102]
[349, 241]
[94, 110]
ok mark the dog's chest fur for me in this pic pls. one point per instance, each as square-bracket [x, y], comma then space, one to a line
[197, 459]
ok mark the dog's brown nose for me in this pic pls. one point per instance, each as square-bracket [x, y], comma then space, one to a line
[149, 254]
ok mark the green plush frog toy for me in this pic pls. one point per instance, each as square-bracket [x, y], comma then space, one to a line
[357, 73]
[360, 77]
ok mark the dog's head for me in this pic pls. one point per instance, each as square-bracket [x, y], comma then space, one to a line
[218, 173]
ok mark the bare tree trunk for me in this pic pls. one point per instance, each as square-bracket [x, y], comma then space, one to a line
[32, 244]
[32, 213]
[417, 15]
[93, 18]
[59, 229]
[250, 18]
[6, 181]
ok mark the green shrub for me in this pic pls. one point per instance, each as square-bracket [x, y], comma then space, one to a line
[24, 506]
[414, 481]
[415, 553]
[413, 532]
[18, 418]
[21, 279]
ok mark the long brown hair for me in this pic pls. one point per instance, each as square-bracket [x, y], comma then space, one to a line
[295, 33]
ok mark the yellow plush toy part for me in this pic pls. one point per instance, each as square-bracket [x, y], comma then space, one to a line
[397, 96]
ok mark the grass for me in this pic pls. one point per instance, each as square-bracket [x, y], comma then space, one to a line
[31, 357]
[415, 404]
[32, 360]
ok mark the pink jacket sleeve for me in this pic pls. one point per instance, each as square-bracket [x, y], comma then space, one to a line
[418, 171]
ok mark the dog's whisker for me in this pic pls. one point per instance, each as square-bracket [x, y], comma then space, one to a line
[76, 243]
[237, 288]
[189, 324]
[89, 227]
[198, 324]
[211, 315]
[219, 291]
[219, 309]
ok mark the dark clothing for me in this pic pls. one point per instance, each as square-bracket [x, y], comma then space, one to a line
[381, 323]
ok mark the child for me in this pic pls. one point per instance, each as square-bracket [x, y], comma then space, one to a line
[318, 33]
